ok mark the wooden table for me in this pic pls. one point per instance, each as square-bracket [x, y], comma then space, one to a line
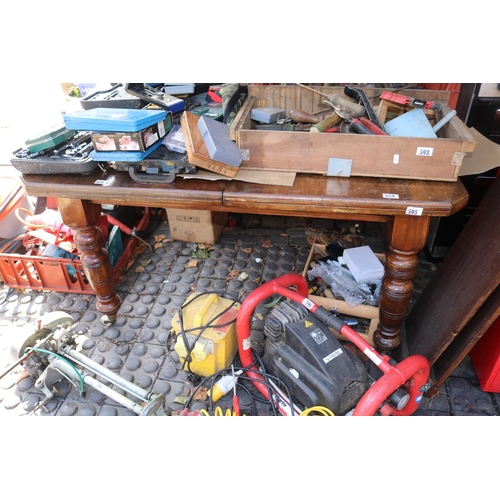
[405, 205]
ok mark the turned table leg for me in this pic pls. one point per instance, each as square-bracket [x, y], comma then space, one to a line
[82, 216]
[406, 235]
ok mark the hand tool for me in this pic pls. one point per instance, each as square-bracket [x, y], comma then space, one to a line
[299, 116]
[55, 357]
[361, 125]
[337, 102]
[341, 106]
[409, 101]
[361, 98]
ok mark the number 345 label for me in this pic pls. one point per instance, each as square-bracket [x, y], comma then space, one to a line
[425, 151]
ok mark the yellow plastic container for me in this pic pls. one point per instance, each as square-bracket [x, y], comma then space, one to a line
[212, 347]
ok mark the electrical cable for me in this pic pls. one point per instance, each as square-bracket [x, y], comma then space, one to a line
[11, 242]
[20, 219]
[80, 377]
[266, 382]
[210, 324]
[326, 412]
[241, 386]
[6, 296]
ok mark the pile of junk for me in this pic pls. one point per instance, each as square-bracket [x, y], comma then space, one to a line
[312, 362]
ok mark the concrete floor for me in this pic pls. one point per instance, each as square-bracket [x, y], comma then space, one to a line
[157, 283]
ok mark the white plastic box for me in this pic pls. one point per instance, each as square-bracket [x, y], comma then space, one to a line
[363, 264]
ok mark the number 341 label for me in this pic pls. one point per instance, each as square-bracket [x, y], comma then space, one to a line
[425, 151]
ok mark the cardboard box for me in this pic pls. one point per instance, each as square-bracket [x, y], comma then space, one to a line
[196, 226]
[345, 154]
[362, 311]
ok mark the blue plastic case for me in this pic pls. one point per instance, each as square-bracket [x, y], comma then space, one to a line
[114, 119]
[124, 156]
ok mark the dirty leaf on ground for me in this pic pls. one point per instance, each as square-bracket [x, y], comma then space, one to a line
[191, 263]
[318, 236]
[267, 243]
[201, 394]
[159, 237]
[243, 276]
[246, 250]
[139, 269]
[233, 274]
[200, 253]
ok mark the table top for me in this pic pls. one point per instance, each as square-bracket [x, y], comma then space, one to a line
[312, 195]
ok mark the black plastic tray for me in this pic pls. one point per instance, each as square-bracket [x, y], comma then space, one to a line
[53, 161]
[111, 98]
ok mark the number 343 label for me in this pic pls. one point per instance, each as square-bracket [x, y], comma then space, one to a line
[425, 151]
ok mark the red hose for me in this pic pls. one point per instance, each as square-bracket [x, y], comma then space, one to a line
[413, 371]
[278, 285]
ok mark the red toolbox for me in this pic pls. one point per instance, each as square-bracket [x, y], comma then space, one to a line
[485, 357]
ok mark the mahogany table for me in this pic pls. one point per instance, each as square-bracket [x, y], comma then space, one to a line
[406, 206]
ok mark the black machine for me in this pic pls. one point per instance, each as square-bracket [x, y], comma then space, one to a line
[302, 352]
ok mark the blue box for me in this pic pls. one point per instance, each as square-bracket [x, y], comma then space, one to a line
[114, 119]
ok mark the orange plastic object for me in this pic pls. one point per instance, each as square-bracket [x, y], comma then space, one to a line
[60, 275]
[454, 89]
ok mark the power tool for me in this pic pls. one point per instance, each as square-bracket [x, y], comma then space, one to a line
[316, 368]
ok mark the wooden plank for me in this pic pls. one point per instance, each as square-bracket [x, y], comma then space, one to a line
[242, 119]
[462, 283]
[197, 151]
[371, 156]
[466, 340]
[456, 129]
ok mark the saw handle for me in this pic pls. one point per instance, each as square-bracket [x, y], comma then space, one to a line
[300, 116]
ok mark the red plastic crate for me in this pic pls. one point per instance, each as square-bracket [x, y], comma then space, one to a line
[485, 357]
[60, 275]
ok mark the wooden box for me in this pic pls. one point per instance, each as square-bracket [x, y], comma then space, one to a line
[369, 313]
[364, 155]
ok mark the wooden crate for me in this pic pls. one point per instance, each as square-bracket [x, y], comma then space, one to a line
[365, 155]
[361, 311]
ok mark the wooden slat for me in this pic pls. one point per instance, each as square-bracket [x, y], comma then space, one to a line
[462, 283]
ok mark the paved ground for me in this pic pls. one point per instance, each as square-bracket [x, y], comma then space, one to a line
[137, 345]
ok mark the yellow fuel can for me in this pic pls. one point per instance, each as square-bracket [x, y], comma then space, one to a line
[209, 326]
